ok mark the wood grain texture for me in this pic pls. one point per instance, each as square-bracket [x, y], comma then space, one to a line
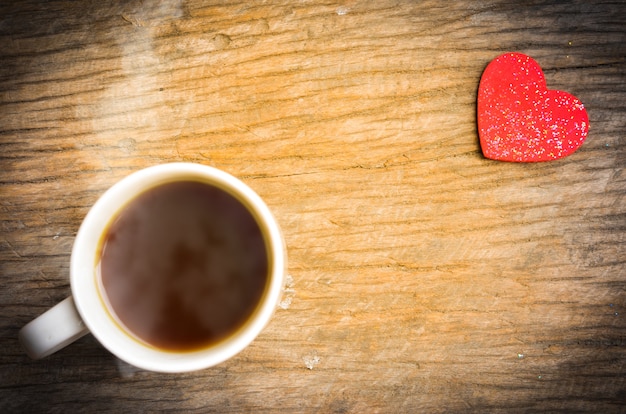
[423, 277]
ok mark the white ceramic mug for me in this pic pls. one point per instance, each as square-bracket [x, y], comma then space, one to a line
[84, 311]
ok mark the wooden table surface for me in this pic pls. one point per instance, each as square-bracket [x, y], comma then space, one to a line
[422, 277]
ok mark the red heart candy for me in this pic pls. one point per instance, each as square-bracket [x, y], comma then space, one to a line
[520, 119]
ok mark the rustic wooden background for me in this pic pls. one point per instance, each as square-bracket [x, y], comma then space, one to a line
[422, 277]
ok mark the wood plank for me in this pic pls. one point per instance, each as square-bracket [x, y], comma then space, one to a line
[423, 277]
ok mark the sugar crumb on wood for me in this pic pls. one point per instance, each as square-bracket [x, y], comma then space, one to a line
[288, 292]
[310, 361]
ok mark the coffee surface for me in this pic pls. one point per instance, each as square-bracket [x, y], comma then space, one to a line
[183, 265]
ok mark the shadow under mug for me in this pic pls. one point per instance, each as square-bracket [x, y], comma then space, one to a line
[86, 312]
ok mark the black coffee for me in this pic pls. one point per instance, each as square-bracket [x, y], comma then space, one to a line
[184, 265]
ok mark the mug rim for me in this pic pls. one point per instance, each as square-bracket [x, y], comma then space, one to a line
[85, 282]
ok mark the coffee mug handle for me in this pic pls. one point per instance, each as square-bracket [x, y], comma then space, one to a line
[56, 328]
